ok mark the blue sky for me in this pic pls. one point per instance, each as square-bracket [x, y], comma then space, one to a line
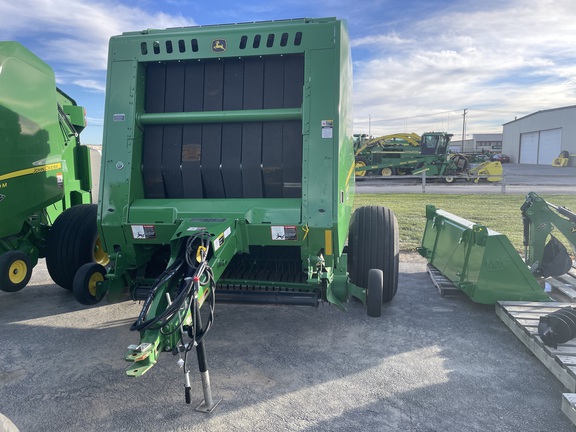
[417, 63]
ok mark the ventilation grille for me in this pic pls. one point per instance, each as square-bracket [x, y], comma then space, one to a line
[182, 46]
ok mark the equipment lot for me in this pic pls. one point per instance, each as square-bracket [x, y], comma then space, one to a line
[428, 364]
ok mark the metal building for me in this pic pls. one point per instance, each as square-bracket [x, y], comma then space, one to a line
[538, 138]
[491, 142]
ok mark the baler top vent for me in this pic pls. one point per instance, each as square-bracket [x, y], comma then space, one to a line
[246, 42]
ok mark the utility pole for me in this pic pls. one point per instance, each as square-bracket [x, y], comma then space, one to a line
[369, 126]
[464, 127]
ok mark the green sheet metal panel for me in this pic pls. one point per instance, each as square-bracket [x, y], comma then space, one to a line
[481, 262]
[40, 159]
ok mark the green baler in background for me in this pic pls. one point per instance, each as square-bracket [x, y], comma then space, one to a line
[228, 173]
[43, 171]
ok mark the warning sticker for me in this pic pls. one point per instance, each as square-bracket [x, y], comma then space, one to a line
[143, 232]
[327, 128]
[284, 233]
[219, 241]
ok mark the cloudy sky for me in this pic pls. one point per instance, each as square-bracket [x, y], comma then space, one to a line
[417, 63]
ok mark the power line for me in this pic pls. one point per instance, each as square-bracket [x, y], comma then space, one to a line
[417, 116]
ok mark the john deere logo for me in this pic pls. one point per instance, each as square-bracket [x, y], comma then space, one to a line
[219, 45]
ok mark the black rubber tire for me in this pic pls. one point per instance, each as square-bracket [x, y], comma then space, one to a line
[85, 280]
[71, 243]
[374, 293]
[373, 244]
[15, 270]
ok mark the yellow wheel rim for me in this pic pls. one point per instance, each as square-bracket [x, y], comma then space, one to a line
[400, 171]
[100, 256]
[386, 172]
[360, 164]
[92, 283]
[17, 272]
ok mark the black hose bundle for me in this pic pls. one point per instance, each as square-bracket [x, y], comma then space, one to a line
[193, 267]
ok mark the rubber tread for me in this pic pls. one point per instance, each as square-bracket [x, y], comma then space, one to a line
[71, 243]
[373, 244]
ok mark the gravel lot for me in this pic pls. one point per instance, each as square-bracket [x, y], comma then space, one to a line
[428, 364]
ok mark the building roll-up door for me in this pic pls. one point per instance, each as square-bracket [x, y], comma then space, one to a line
[529, 148]
[550, 146]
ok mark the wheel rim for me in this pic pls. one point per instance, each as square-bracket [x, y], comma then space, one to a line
[17, 272]
[360, 164]
[449, 179]
[386, 172]
[100, 256]
[400, 171]
[92, 283]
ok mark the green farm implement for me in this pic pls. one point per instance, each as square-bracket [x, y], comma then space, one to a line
[485, 265]
[228, 174]
[404, 154]
[44, 174]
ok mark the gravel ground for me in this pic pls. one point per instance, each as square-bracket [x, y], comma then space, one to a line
[428, 364]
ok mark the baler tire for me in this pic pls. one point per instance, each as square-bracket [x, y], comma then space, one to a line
[375, 293]
[15, 270]
[73, 241]
[373, 244]
[85, 280]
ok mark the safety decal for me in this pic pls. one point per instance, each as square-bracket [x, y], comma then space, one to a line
[219, 241]
[327, 128]
[284, 232]
[143, 232]
[196, 228]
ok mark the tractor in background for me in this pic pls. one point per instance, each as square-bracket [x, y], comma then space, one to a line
[411, 154]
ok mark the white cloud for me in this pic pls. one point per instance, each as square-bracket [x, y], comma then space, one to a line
[503, 62]
[73, 35]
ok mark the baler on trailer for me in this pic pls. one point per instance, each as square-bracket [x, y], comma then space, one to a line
[44, 175]
[228, 174]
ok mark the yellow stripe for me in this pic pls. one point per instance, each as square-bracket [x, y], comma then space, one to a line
[328, 242]
[28, 171]
[350, 172]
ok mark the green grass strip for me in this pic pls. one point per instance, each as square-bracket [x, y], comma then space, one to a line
[500, 213]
